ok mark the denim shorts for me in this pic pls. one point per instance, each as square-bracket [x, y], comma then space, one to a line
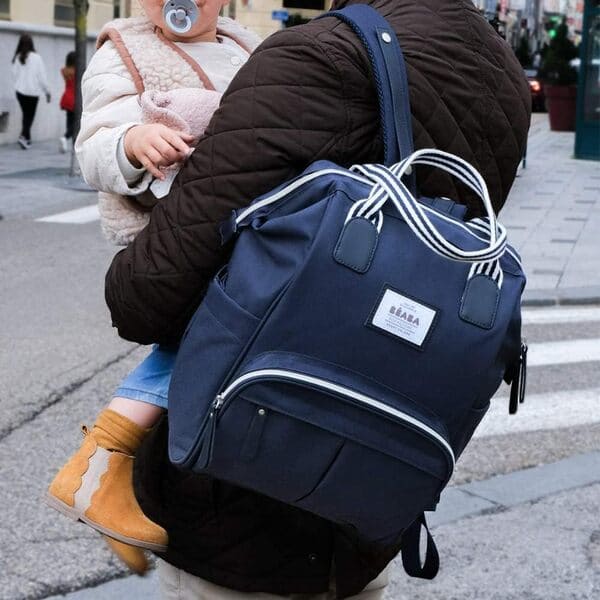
[149, 381]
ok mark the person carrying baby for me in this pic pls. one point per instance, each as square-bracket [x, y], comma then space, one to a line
[148, 94]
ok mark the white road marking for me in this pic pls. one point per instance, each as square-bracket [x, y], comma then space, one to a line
[555, 410]
[542, 316]
[565, 352]
[79, 216]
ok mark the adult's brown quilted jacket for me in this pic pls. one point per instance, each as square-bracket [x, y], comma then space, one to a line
[304, 95]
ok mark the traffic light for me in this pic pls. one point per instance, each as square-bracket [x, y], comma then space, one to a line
[551, 24]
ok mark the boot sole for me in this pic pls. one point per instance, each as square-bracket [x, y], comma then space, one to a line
[76, 515]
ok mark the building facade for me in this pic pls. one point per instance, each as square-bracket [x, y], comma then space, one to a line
[51, 24]
[59, 13]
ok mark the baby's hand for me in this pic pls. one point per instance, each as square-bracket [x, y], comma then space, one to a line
[153, 146]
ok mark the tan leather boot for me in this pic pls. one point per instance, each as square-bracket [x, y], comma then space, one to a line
[96, 484]
[132, 556]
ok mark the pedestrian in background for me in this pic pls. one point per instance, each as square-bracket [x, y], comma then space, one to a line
[30, 82]
[67, 100]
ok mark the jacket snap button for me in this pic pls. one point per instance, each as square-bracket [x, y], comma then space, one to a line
[262, 412]
[312, 558]
[386, 37]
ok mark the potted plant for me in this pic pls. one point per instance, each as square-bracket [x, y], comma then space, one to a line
[560, 80]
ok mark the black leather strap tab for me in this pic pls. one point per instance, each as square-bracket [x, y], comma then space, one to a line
[479, 302]
[356, 245]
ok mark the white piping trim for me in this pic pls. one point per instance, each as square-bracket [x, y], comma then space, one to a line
[295, 185]
[350, 174]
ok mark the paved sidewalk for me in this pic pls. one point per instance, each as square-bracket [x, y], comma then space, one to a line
[566, 498]
[37, 182]
[553, 218]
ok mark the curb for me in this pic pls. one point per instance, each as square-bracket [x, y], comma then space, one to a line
[501, 492]
[561, 297]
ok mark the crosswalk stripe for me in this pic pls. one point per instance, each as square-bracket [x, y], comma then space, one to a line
[554, 410]
[87, 214]
[542, 316]
[564, 352]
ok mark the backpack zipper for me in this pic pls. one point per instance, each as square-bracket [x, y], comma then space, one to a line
[315, 382]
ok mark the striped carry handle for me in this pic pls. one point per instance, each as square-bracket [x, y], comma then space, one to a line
[388, 186]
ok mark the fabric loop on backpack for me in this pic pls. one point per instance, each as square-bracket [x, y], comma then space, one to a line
[411, 555]
[457, 167]
[417, 219]
[491, 268]
[356, 211]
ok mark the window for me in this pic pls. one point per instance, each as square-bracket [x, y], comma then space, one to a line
[307, 4]
[64, 13]
[4, 9]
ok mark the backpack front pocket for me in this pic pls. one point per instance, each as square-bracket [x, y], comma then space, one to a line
[330, 441]
[214, 339]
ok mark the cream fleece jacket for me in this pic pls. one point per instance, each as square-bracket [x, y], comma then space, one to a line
[132, 59]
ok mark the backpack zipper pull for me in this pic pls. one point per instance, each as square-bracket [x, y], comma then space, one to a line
[218, 402]
[205, 455]
[519, 380]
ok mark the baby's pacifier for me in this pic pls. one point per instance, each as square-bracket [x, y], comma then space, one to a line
[180, 15]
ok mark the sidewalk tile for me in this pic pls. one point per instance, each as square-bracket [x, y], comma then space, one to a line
[542, 282]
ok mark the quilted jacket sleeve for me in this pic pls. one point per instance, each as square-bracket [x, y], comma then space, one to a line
[291, 104]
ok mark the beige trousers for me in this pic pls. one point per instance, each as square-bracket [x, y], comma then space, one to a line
[176, 584]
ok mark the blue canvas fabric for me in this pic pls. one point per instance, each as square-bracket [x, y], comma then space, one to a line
[345, 375]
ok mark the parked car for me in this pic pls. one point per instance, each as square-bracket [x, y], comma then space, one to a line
[538, 100]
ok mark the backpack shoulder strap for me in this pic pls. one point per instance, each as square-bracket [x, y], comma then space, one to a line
[389, 73]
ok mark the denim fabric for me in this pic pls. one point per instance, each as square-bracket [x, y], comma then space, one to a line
[149, 381]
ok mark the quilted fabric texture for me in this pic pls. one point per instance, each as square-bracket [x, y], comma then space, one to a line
[306, 95]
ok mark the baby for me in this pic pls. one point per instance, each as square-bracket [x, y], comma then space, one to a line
[148, 94]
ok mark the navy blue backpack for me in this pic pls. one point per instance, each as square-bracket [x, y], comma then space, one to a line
[343, 358]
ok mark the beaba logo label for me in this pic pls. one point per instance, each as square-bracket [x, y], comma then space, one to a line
[404, 315]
